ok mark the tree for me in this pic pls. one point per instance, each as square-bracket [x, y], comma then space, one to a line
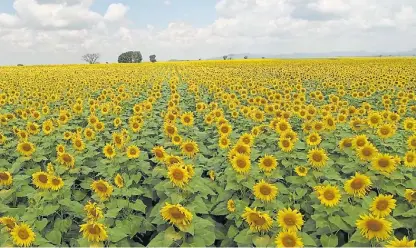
[152, 58]
[245, 57]
[262, 57]
[130, 57]
[224, 57]
[91, 58]
[19, 64]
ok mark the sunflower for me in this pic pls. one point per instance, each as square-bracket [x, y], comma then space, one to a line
[301, 171]
[189, 148]
[345, 143]
[117, 122]
[6, 178]
[109, 151]
[265, 191]
[410, 195]
[367, 152]
[118, 140]
[102, 189]
[358, 185]
[176, 215]
[409, 124]
[9, 222]
[93, 211]
[288, 239]
[225, 129]
[99, 126]
[187, 119]
[384, 163]
[374, 227]
[382, 205]
[317, 158]
[159, 153]
[119, 181]
[328, 195]
[231, 205]
[23, 135]
[133, 152]
[359, 141]
[290, 135]
[55, 183]
[268, 163]
[94, 231]
[191, 170]
[313, 139]
[211, 175]
[32, 128]
[67, 135]
[286, 145]
[410, 159]
[60, 148]
[47, 127]
[78, 143]
[172, 159]
[22, 235]
[290, 220]
[178, 175]
[224, 142]
[41, 180]
[89, 133]
[247, 139]
[386, 131]
[404, 242]
[242, 148]
[282, 125]
[258, 221]
[411, 142]
[26, 148]
[66, 159]
[241, 163]
[176, 139]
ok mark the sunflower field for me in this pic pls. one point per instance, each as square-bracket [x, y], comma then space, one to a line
[264, 153]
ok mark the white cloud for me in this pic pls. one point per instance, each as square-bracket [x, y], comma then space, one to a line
[69, 28]
[167, 2]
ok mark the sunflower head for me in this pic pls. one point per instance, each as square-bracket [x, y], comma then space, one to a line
[265, 191]
[26, 148]
[382, 205]
[102, 189]
[8, 221]
[384, 163]
[410, 159]
[290, 220]
[358, 185]
[374, 227]
[109, 151]
[404, 242]
[94, 231]
[189, 148]
[231, 205]
[178, 175]
[41, 180]
[6, 178]
[317, 158]
[241, 163]
[55, 183]
[313, 139]
[119, 181]
[176, 215]
[22, 235]
[301, 171]
[93, 211]
[410, 195]
[367, 152]
[159, 153]
[258, 221]
[328, 195]
[286, 144]
[268, 163]
[132, 152]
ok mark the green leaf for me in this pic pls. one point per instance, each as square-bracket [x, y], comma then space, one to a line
[232, 231]
[49, 209]
[116, 234]
[410, 213]
[337, 221]
[204, 230]
[220, 209]
[138, 206]
[262, 241]
[112, 213]
[307, 240]
[199, 206]
[329, 241]
[62, 224]
[244, 237]
[40, 224]
[54, 236]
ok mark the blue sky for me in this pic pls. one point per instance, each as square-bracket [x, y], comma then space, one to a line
[61, 31]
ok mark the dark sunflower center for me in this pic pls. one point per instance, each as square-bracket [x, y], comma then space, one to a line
[265, 190]
[89, 133]
[109, 150]
[173, 160]
[135, 125]
[132, 151]
[361, 142]
[313, 138]
[374, 120]
[367, 152]
[224, 129]
[94, 230]
[329, 195]
[43, 178]
[189, 147]
[176, 213]
[384, 130]
[4, 176]
[330, 122]
[286, 143]
[101, 187]
[258, 220]
[56, 181]
[246, 140]
[26, 147]
[289, 220]
[23, 234]
[413, 142]
[267, 162]
[382, 205]
[301, 169]
[383, 162]
[357, 184]
[241, 163]
[288, 241]
[374, 225]
[410, 158]
[241, 149]
[178, 175]
[118, 140]
[317, 157]
[170, 130]
[78, 143]
[159, 153]
[283, 126]
[224, 141]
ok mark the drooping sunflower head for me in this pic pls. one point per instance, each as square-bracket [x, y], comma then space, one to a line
[290, 220]
[178, 175]
[6, 178]
[26, 148]
[317, 158]
[118, 140]
[109, 151]
[404, 242]
[172, 160]
[22, 235]
[94, 231]
[102, 189]
[410, 195]
[329, 195]
[345, 143]
[189, 148]
[258, 221]
[301, 171]
[119, 181]
[93, 211]
[382, 205]
[374, 227]
[55, 183]
[268, 163]
[358, 185]
[288, 239]
[265, 191]
[231, 205]
[159, 153]
[176, 215]
[211, 175]
[41, 180]
[9, 222]
[241, 163]
[384, 163]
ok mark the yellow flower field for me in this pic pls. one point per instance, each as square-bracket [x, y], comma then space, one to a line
[266, 153]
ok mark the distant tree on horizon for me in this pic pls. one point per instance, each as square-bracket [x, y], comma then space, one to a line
[224, 57]
[91, 58]
[245, 57]
[130, 57]
[152, 58]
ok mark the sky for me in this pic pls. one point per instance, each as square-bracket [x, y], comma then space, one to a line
[61, 31]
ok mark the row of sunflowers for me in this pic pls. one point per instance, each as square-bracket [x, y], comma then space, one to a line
[264, 153]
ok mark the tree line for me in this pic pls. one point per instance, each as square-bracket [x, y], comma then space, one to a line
[126, 57]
